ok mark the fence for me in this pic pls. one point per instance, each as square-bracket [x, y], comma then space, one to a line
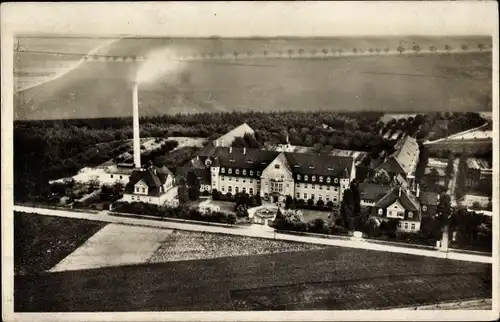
[185, 221]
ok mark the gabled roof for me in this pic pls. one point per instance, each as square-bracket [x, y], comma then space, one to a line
[323, 164]
[228, 138]
[153, 179]
[242, 158]
[404, 158]
[372, 191]
[407, 199]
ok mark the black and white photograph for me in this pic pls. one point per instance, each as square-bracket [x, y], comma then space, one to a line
[312, 169]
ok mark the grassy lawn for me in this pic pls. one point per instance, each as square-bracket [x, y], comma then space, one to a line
[225, 206]
[309, 215]
[330, 278]
[40, 242]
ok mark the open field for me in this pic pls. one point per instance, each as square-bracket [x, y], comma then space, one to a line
[393, 83]
[40, 242]
[115, 245]
[331, 278]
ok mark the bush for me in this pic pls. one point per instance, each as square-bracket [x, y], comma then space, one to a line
[310, 202]
[320, 203]
[205, 193]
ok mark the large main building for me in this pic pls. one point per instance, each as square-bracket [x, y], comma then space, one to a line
[274, 175]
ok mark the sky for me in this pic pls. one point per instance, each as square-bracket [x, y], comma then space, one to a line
[243, 19]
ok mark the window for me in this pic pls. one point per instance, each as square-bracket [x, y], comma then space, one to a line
[229, 188]
[336, 189]
[313, 178]
[213, 183]
[327, 198]
[121, 177]
[143, 190]
[229, 171]
[149, 199]
[237, 171]
[132, 198]
[336, 180]
[399, 225]
[313, 186]
[236, 189]
[237, 179]
[298, 177]
[287, 185]
[244, 189]
[298, 195]
[222, 178]
[230, 179]
[312, 196]
[222, 188]
[380, 211]
[321, 179]
[276, 166]
[305, 177]
[244, 181]
[410, 214]
[137, 189]
[223, 170]
[328, 180]
[320, 187]
[424, 208]
[328, 188]
[251, 191]
[298, 185]
[244, 172]
[412, 226]
[251, 180]
[305, 185]
[334, 199]
[258, 173]
[111, 176]
[305, 195]
[406, 225]
[320, 197]
[251, 172]
[276, 186]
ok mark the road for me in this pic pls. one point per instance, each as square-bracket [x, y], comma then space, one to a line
[258, 231]
[453, 183]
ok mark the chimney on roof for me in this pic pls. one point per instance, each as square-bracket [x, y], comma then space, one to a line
[230, 149]
[244, 150]
[400, 191]
[418, 190]
[197, 157]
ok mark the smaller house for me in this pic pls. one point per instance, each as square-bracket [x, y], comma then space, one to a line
[403, 161]
[151, 185]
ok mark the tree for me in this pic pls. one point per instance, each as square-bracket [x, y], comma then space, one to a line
[381, 177]
[347, 206]
[310, 202]
[443, 210]
[377, 50]
[231, 219]
[236, 54]
[239, 142]
[416, 48]
[355, 50]
[356, 197]
[279, 221]
[325, 51]
[433, 49]
[265, 53]
[289, 203]
[480, 47]
[464, 47]
[242, 211]
[386, 50]
[447, 48]
[401, 49]
[301, 51]
[183, 191]
[320, 203]
[317, 226]
[371, 50]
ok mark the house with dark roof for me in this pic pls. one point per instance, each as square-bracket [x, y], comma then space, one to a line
[403, 161]
[151, 185]
[398, 202]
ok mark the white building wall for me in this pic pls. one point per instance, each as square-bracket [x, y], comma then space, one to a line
[277, 172]
[409, 226]
[214, 178]
[240, 182]
[332, 194]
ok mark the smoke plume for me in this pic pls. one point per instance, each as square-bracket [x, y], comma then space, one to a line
[159, 63]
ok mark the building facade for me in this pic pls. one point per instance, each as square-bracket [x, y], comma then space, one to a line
[151, 185]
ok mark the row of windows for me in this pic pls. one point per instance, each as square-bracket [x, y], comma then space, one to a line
[222, 178]
[406, 226]
[236, 189]
[313, 186]
[237, 171]
[112, 176]
[139, 198]
[312, 196]
[396, 213]
[313, 178]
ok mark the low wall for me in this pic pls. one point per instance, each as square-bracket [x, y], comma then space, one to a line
[326, 236]
[186, 221]
[35, 205]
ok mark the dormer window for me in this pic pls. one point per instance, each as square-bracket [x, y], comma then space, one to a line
[237, 171]
[328, 180]
[424, 208]
[330, 169]
[313, 178]
[258, 173]
[298, 177]
[306, 177]
[321, 179]
[244, 172]
[229, 171]
[208, 162]
[336, 180]
[223, 170]
[232, 160]
[380, 211]
[276, 166]
[251, 172]
[410, 214]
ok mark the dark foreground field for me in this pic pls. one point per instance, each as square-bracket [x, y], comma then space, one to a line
[40, 242]
[333, 278]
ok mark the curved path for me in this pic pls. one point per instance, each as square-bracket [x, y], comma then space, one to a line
[254, 231]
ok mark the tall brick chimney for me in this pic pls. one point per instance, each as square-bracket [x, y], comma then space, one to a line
[137, 140]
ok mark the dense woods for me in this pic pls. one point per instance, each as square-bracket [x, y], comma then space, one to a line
[46, 150]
